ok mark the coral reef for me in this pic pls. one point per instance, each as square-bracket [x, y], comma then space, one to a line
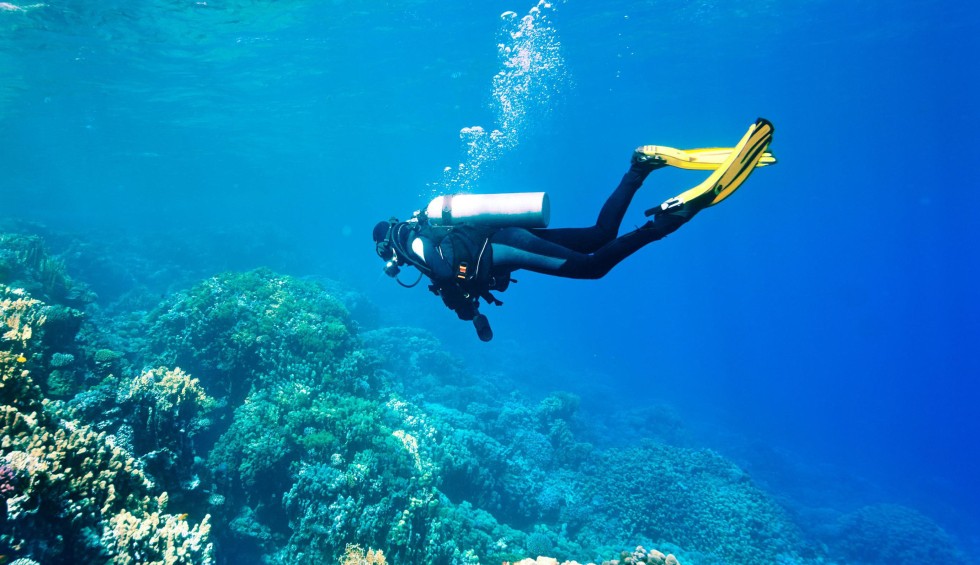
[692, 498]
[26, 264]
[892, 534]
[250, 329]
[354, 555]
[301, 419]
[69, 490]
[636, 557]
[166, 411]
[245, 419]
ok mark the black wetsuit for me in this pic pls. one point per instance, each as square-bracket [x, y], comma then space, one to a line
[582, 253]
[579, 253]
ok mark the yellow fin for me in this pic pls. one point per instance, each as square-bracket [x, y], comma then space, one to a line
[736, 168]
[701, 159]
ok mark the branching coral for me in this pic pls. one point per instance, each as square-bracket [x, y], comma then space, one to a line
[164, 395]
[75, 483]
[157, 539]
[354, 555]
[19, 316]
[53, 328]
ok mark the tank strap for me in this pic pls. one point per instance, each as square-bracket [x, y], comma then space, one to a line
[479, 258]
[447, 210]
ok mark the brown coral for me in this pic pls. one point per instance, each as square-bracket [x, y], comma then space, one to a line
[354, 555]
[75, 488]
[131, 539]
[637, 556]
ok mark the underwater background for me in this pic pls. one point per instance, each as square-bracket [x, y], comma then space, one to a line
[203, 362]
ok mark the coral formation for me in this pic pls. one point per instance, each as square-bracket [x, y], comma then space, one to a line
[166, 410]
[156, 538]
[893, 534]
[71, 486]
[354, 555]
[693, 498]
[251, 329]
[287, 436]
[26, 264]
[636, 557]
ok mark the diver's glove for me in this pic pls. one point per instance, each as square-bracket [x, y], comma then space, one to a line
[482, 326]
[466, 308]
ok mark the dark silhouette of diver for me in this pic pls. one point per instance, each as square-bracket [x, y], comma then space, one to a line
[468, 261]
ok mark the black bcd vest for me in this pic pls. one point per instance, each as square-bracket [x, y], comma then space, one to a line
[467, 250]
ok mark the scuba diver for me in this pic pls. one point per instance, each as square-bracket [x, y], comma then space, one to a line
[469, 245]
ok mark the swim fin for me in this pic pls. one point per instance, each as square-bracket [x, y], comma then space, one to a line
[703, 159]
[730, 174]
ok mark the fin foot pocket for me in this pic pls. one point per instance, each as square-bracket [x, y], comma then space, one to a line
[740, 162]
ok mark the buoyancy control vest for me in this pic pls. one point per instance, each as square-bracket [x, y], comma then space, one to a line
[466, 249]
[460, 227]
[466, 222]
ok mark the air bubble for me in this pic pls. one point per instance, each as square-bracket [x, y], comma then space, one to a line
[532, 69]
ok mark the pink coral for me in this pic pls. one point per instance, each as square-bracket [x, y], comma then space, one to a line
[7, 479]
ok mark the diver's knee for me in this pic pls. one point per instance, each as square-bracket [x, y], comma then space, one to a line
[595, 271]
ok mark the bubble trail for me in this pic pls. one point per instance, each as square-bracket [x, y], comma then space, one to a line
[532, 72]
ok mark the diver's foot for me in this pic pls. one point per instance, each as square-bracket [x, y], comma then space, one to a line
[726, 179]
[675, 207]
[646, 156]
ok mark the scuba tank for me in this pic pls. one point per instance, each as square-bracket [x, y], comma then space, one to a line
[461, 226]
[514, 209]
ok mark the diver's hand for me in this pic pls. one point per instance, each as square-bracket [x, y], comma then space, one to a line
[482, 326]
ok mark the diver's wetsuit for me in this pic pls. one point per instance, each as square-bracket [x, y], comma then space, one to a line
[578, 253]
[582, 253]
[469, 262]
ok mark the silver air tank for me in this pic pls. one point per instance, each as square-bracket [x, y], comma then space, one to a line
[515, 209]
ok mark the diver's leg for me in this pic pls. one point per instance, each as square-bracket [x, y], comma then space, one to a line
[515, 248]
[608, 256]
[587, 240]
[518, 248]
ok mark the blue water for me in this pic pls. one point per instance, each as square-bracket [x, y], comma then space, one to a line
[822, 323]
